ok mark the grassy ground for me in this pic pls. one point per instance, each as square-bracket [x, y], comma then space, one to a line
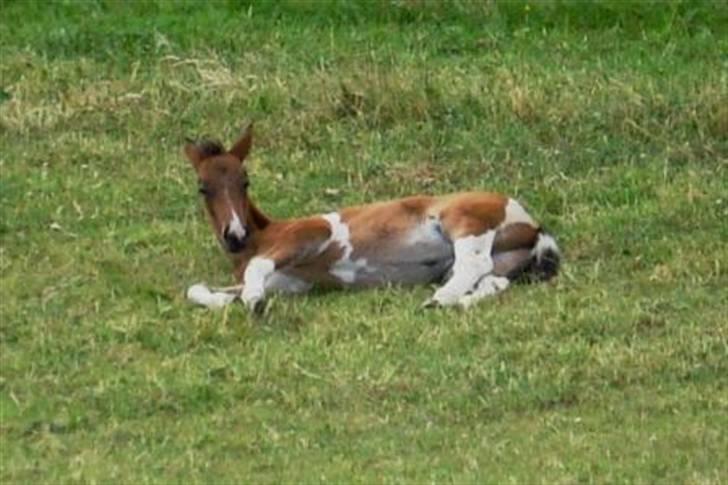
[609, 119]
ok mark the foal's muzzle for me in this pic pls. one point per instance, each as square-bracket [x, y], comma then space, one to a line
[234, 241]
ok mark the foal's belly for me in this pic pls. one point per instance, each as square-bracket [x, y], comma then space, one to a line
[412, 272]
[421, 255]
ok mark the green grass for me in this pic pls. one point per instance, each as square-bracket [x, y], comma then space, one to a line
[609, 119]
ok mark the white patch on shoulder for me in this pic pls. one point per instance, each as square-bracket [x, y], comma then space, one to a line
[345, 268]
[515, 213]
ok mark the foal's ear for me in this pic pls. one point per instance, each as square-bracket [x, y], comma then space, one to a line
[193, 153]
[241, 148]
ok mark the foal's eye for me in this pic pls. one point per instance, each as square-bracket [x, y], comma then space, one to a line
[203, 190]
[245, 184]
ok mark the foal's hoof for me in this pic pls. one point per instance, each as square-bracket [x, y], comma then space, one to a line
[256, 307]
[431, 303]
[440, 300]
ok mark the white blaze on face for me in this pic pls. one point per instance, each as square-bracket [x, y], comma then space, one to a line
[235, 226]
[345, 268]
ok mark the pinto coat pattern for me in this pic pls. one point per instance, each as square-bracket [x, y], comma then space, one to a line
[475, 243]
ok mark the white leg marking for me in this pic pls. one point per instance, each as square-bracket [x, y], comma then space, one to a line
[201, 295]
[345, 269]
[489, 285]
[472, 263]
[235, 289]
[254, 280]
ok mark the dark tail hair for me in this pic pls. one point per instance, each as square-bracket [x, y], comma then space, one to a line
[543, 263]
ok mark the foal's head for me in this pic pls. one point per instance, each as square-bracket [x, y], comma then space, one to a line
[223, 183]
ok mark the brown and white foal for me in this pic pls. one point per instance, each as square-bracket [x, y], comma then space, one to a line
[475, 243]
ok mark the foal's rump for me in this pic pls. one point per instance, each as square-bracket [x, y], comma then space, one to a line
[525, 254]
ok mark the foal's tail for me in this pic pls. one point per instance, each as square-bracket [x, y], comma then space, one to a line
[545, 258]
[538, 261]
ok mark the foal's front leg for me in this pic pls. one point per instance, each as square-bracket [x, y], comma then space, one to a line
[213, 297]
[473, 264]
[488, 285]
[259, 269]
[301, 242]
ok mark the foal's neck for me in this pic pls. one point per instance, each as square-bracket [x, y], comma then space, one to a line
[258, 220]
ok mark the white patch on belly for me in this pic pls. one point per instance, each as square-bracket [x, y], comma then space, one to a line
[515, 213]
[427, 237]
[421, 255]
[345, 269]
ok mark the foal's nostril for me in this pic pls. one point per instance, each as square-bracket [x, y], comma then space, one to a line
[233, 241]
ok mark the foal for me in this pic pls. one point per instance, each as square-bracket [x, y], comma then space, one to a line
[476, 243]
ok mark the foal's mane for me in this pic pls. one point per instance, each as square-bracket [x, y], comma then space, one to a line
[208, 147]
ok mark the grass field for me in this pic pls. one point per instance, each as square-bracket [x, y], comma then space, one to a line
[610, 120]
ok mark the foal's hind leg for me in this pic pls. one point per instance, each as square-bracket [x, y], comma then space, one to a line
[488, 285]
[473, 263]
